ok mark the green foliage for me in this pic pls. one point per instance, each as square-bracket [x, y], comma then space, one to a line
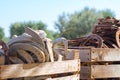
[50, 34]
[79, 23]
[62, 23]
[106, 13]
[1, 33]
[5, 39]
[18, 28]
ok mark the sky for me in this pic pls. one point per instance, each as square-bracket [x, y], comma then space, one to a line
[47, 11]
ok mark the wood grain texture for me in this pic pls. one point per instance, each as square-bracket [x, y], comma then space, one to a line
[105, 71]
[38, 69]
[72, 77]
[100, 54]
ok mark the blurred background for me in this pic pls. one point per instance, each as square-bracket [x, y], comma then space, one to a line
[66, 18]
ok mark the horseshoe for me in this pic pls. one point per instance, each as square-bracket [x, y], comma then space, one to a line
[27, 47]
[15, 60]
[117, 37]
[20, 39]
[41, 48]
[35, 36]
[26, 56]
[93, 39]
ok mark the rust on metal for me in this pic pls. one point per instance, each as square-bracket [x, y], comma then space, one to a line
[106, 34]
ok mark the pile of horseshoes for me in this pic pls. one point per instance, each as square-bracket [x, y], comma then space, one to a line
[34, 47]
[31, 47]
[27, 48]
[106, 34]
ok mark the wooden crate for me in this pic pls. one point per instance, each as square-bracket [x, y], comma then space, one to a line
[101, 63]
[97, 62]
[42, 69]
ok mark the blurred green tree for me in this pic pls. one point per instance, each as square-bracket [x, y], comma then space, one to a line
[17, 28]
[106, 13]
[79, 23]
[2, 34]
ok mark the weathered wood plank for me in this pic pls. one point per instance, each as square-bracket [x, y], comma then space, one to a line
[105, 71]
[2, 61]
[100, 54]
[83, 54]
[85, 72]
[3, 79]
[100, 71]
[38, 69]
[49, 48]
[95, 54]
[72, 77]
[72, 54]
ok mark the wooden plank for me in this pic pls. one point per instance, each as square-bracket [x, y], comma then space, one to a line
[84, 54]
[37, 78]
[85, 72]
[2, 61]
[3, 79]
[76, 54]
[95, 54]
[38, 69]
[69, 77]
[105, 71]
[72, 54]
[101, 54]
[100, 71]
[49, 48]
[72, 77]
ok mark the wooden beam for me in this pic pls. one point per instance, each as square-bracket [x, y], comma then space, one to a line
[95, 54]
[105, 71]
[101, 54]
[38, 69]
[49, 48]
[72, 77]
[68, 77]
[100, 71]
[83, 54]
[72, 54]
[85, 72]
